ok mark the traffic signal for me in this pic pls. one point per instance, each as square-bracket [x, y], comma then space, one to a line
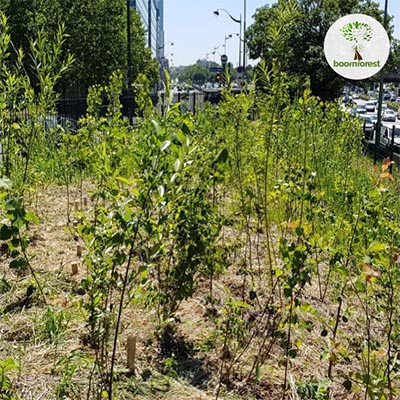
[218, 77]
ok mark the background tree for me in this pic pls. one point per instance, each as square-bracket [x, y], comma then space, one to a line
[195, 73]
[20, 14]
[393, 64]
[96, 36]
[97, 31]
[299, 47]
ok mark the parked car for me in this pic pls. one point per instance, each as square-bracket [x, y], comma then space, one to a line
[360, 109]
[398, 99]
[386, 96]
[389, 115]
[368, 124]
[393, 97]
[374, 118]
[370, 106]
[347, 99]
[386, 137]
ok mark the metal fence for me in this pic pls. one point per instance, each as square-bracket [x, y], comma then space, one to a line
[76, 107]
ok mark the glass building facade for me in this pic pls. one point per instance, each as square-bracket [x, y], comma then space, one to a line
[152, 15]
[160, 33]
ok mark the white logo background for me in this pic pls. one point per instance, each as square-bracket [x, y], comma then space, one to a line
[338, 49]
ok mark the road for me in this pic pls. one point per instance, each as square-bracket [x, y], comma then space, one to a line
[385, 139]
[360, 101]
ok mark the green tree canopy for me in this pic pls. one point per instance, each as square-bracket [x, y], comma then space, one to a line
[96, 36]
[393, 64]
[195, 73]
[292, 33]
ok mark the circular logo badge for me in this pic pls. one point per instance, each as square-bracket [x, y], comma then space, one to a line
[356, 46]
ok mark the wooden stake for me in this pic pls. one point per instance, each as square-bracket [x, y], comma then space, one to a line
[74, 268]
[131, 352]
[79, 250]
[76, 205]
[85, 201]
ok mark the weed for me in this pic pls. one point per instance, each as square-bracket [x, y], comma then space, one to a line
[6, 385]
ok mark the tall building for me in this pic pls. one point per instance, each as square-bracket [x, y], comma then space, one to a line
[161, 40]
[152, 15]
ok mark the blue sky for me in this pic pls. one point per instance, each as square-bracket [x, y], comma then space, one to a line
[195, 31]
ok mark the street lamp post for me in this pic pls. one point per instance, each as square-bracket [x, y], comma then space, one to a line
[238, 21]
[230, 37]
[380, 98]
[163, 46]
[215, 51]
[244, 39]
[129, 44]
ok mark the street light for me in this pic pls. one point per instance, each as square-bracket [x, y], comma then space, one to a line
[215, 51]
[161, 47]
[230, 37]
[129, 44]
[380, 97]
[160, 51]
[216, 13]
[238, 21]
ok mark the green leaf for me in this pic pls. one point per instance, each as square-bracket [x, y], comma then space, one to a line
[174, 176]
[287, 291]
[377, 247]
[32, 217]
[178, 138]
[177, 165]
[347, 384]
[292, 353]
[6, 232]
[165, 145]
[18, 264]
[5, 183]
[360, 286]
[156, 126]
[222, 157]
[186, 130]
[278, 272]
[123, 180]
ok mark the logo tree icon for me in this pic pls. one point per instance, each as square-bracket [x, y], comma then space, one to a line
[357, 32]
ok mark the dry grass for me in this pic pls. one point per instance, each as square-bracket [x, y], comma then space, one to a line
[43, 365]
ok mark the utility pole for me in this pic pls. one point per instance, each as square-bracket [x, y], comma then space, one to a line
[129, 44]
[244, 41]
[380, 98]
